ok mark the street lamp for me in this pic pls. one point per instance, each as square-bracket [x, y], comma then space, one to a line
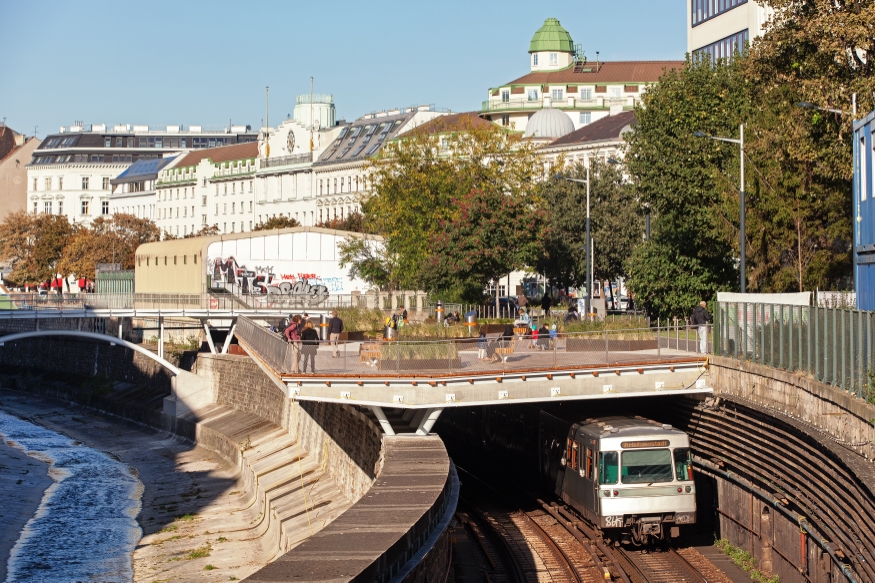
[740, 142]
[588, 236]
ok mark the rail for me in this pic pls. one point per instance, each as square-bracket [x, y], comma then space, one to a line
[832, 345]
[519, 354]
[286, 160]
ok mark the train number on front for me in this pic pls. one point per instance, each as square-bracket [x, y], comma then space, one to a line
[613, 521]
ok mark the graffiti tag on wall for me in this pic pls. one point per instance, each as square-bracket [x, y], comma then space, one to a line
[306, 287]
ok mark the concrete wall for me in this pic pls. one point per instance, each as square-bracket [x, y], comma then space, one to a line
[837, 413]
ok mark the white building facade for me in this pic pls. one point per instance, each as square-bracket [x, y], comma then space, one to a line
[71, 172]
[719, 28]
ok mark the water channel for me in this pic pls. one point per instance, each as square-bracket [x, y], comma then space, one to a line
[85, 528]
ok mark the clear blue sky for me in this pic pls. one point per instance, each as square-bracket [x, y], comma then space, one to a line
[203, 63]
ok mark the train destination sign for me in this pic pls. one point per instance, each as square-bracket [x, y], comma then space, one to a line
[640, 444]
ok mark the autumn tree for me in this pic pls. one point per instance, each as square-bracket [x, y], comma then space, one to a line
[279, 222]
[418, 179]
[208, 231]
[353, 222]
[32, 245]
[108, 240]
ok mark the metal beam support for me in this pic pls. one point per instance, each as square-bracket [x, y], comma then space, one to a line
[230, 335]
[384, 422]
[161, 336]
[428, 421]
[206, 325]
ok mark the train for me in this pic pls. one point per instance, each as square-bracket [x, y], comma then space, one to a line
[631, 477]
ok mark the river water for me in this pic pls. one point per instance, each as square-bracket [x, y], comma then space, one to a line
[85, 528]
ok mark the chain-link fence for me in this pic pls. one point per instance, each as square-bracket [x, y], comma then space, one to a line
[833, 345]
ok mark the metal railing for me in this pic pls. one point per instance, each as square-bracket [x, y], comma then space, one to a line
[519, 354]
[286, 160]
[832, 345]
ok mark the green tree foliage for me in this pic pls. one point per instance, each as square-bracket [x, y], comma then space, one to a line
[368, 260]
[492, 234]
[279, 222]
[33, 245]
[616, 224]
[418, 179]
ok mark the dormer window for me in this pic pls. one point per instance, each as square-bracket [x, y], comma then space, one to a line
[533, 94]
[557, 95]
[554, 59]
[505, 95]
[535, 59]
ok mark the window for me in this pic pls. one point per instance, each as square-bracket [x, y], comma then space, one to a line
[203, 219]
[505, 95]
[84, 183]
[535, 59]
[557, 94]
[233, 205]
[48, 183]
[724, 48]
[341, 185]
[225, 209]
[106, 184]
[615, 92]
[217, 208]
[250, 206]
[571, 454]
[554, 59]
[320, 186]
[646, 466]
[60, 207]
[586, 94]
[608, 467]
[60, 183]
[445, 143]
[47, 207]
[589, 464]
[181, 142]
[184, 211]
[84, 207]
[533, 94]
[34, 184]
[706, 9]
[107, 142]
[683, 465]
[250, 186]
[505, 120]
[585, 117]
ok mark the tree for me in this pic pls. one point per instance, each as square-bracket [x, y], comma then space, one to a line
[33, 244]
[492, 234]
[353, 222]
[367, 260]
[417, 178]
[279, 222]
[208, 231]
[615, 218]
[108, 240]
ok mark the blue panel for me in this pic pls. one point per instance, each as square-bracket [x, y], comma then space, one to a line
[863, 213]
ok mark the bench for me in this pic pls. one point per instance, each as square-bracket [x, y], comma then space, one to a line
[370, 352]
[504, 351]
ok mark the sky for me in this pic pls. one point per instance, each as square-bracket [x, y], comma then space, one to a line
[207, 63]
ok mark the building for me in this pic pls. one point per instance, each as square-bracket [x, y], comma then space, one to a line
[601, 139]
[70, 173]
[214, 186]
[15, 153]
[719, 28]
[864, 212]
[284, 262]
[134, 192]
[561, 77]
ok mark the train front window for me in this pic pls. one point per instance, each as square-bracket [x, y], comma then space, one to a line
[683, 465]
[608, 467]
[646, 466]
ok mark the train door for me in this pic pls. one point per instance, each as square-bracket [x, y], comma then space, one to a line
[573, 487]
[590, 498]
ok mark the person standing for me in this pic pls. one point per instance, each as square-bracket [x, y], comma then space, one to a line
[310, 344]
[293, 337]
[700, 318]
[335, 327]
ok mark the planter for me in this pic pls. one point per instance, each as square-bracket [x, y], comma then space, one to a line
[421, 364]
[353, 336]
[598, 345]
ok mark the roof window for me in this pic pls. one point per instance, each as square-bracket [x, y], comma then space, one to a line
[343, 133]
[355, 132]
[342, 154]
[374, 148]
[358, 151]
[370, 129]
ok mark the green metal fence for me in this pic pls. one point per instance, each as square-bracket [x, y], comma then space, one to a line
[832, 345]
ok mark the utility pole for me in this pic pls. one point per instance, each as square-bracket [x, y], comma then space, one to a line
[267, 122]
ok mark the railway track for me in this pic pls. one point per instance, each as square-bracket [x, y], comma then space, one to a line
[550, 544]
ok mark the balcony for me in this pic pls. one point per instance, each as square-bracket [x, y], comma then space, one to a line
[571, 103]
[285, 160]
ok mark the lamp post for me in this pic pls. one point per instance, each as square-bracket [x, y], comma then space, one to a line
[588, 237]
[740, 142]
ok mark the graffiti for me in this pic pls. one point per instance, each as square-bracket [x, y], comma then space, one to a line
[303, 288]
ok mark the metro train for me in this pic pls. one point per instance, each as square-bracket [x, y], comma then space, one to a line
[630, 476]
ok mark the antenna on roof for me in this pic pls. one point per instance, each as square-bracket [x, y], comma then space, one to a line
[4, 121]
[596, 61]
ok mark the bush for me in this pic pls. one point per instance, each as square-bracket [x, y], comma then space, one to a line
[361, 319]
[418, 351]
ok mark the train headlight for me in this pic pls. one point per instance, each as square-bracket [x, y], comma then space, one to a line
[689, 489]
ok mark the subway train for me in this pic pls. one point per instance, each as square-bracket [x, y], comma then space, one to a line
[630, 476]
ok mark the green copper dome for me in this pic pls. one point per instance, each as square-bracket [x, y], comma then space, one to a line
[551, 37]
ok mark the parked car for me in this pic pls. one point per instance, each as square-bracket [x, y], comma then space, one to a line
[504, 304]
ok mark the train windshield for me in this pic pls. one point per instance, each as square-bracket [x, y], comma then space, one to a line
[646, 466]
[683, 466]
[608, 467]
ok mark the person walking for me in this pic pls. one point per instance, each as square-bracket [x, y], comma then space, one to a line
[522, 301]
[546, 302]
[310, 344]
[700, 318]
[335, 327]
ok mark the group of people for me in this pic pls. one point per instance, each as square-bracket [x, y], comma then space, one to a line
[301, 333]
[542, 338]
